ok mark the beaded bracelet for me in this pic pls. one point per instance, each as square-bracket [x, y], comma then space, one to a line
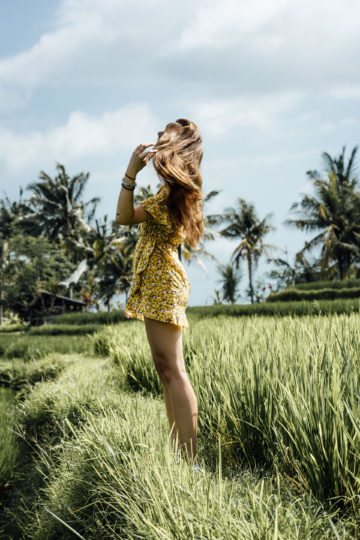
[124, 183]
[128, 188]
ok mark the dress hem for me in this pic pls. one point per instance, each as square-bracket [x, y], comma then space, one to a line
[140, 316]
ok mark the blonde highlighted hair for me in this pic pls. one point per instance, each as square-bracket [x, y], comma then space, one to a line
[177, 160]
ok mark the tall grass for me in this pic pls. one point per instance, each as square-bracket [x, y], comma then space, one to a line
[136, 369]
[278, 439]
[294, 294]
[115, 476]
[18, 374]
[6, 328]
[81, 387]
[84, 320]
[278, 309]
[75, 390]
[8, 447]
[334, 284]
[274, 390]
[33, 347]
[83, 317]
[63, 329]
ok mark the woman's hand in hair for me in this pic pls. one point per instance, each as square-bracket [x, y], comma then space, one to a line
[139, 159]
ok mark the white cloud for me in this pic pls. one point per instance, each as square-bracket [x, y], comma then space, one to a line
[227, 22]
[223, 23]
[220, 116]
[58, 54]
[92, 40]
[230, 45]
[80, 136]
[272, 45]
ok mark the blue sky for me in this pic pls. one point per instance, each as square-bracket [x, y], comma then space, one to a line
[270, 83]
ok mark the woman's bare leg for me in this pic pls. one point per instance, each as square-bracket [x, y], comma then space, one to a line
[165, 340]
[170, 413]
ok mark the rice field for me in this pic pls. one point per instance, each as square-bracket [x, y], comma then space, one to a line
[278, 434]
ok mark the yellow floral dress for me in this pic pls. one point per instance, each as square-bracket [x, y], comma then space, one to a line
[160, 288]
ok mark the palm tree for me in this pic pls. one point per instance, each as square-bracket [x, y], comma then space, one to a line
[99, 240]
[244, 224]
[303, 270]
[115, 271]
[335, 211]
[144, 192]
[230, 282]
[217, 299]
[12, 216]
[59, 211]
[109, 256]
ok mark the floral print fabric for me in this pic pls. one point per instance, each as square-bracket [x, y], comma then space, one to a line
[160, 288]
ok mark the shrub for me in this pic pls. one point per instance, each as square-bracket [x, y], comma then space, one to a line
[23, 350]
[63, 329]
[318, 294]
[335, 284]
[101, 317]
[19, 374]
[5, 329]
[277, 309]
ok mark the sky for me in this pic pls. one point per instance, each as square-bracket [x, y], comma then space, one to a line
[271, 84]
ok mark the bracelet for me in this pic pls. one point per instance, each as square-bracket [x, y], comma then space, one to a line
[132, 184]
[129, 177]
[128, 188]
[126, 184]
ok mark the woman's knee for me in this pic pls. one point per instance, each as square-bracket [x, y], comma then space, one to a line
[169, 369]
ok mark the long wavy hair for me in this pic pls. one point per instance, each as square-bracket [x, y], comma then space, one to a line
[177, 159]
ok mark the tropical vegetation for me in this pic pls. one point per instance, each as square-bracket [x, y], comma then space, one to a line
[53, 241]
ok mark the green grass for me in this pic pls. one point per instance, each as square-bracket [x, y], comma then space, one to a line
[81, 318]
[28, 346]
[276, 390]
[277, 309]
[335, 284]
[12, 328]
[84, 323]
[293, 294]
[63, 329]
[278, 439]
[77, 390]
[109, 473]
[9, 450]
[18, 374]
[116, 479]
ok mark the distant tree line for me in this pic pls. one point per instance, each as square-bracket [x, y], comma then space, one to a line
[332, 213]
[52, 240]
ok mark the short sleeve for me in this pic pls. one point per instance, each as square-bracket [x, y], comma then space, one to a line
[156, 206]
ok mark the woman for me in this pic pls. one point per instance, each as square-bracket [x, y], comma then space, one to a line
[160, 289]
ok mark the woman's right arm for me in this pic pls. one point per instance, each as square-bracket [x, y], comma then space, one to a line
[126, 214]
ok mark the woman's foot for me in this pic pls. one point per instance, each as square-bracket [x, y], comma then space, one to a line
[196, 466]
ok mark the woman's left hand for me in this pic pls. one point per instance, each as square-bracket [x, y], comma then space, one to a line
[137, 160]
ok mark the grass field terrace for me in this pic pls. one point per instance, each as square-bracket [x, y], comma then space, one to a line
[86, 449]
